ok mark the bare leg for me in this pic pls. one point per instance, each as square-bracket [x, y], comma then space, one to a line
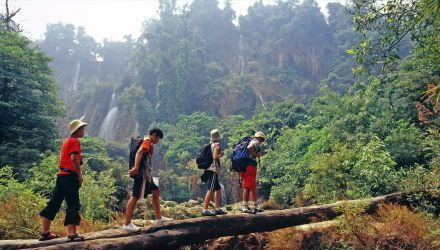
[253, 196]
[156, 204]
[217, 196]
[207, 199]
[71, 229]
[245, 195]
[129, 210]
[45, 225]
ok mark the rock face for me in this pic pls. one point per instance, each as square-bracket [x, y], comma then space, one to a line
[236, 100]
[104, 119]
[100, 110]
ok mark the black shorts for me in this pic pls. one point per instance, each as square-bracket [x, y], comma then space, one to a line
[139, 185]
[211, 179]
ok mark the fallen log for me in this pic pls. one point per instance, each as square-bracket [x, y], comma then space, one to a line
[34, 243]
[174, 234]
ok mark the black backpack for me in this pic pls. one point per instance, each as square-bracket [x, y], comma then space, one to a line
[204, 158]
[135, 144]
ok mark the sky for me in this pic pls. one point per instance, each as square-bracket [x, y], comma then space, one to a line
[101, 19]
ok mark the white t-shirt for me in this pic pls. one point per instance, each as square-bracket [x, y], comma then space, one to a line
[256, 144]
[215, 166]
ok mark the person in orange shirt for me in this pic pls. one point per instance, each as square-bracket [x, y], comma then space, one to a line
[143, 180]
[69, 180]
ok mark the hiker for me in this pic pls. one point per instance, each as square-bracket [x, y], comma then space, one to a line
[143, 180]
[69, 180]
[211, 174]
[250, 175]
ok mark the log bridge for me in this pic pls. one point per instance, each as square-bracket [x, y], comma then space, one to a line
[174, 234]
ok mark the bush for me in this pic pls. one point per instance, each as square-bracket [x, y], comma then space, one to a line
[392, 227]
[97, 195]
[42, 177]
[19, 207]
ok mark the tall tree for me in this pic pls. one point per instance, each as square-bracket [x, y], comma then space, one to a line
[28, 101]
[7, 18]
[386, 26]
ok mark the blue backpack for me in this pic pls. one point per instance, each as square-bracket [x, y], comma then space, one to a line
[240, 155]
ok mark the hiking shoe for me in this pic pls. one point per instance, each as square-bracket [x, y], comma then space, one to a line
[162, 219]
[247, 210]
[220, 212]
[258, 210]
[131, 227]
[208, 213]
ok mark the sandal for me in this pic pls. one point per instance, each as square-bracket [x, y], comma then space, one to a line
[48, 236]
[75, 237]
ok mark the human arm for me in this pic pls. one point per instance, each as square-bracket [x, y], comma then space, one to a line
[76, 166]
[253, 151]
[137, 161]
[217, 153]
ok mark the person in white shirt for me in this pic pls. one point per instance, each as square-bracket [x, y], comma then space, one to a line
[210, 176]
[249, 177]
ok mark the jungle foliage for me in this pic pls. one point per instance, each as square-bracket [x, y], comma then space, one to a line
[285, 69]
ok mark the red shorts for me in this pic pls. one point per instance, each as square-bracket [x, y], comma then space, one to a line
[249, 178]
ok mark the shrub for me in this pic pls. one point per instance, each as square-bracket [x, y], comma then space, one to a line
[392, 227]
[97, 195]
[19, 207]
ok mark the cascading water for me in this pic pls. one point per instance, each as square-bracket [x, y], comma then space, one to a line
[241, 57]
[261, 99]
[74, 85]
[107, 130]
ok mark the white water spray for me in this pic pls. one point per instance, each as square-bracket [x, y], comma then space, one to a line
[74, 85]
[107, 130]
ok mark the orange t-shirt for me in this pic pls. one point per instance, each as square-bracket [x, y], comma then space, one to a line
[146, 146]
[70, 145]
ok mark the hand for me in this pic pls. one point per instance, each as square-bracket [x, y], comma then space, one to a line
[133, 172]
[221, 154]
[80, 179]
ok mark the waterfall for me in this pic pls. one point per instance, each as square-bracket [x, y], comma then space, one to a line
[223, 196]
[261, 99]
[83, 116]
[107, 130]
[241, 57]
[74, 85]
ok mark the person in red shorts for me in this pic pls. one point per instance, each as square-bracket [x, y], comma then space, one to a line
[69, 180]
[249, 177]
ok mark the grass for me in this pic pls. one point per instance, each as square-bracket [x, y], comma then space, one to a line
[391, 227]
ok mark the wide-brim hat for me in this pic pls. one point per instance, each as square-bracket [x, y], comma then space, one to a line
[75, 125]
[216, 135]
[260, 134]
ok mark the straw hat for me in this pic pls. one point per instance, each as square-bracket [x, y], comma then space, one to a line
[260, 134]
[215, 135]
[75, 125]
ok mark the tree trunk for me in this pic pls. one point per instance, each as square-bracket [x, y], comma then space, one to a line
[184, 232]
